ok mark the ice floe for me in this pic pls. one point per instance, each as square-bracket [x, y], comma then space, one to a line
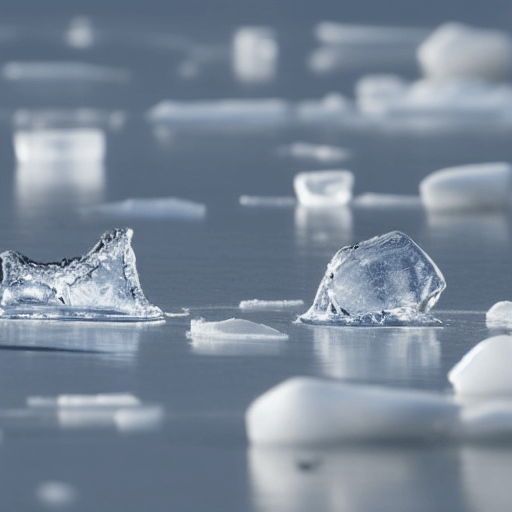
[455, 50]
[373, 200]
[324, 188]
[485, 186]
[309, 411]
[500, 315]
[316, 152]
[263, 305]
[101, 285]
[267, 201]
[387, 280]
[236, 328]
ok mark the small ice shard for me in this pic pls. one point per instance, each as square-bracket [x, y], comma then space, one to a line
[371, 200]
[101, 285]
[255, 54]
[468, 187]
[316, 152]
[309, 411]
[234, 328]
[485, 369]
[56, 495]
[387, 280]
[487, 421]
[324, 188]
[267, 201]
[155, 208]
[500, 315]
[263, 305]
[455, 50]
[80, 33]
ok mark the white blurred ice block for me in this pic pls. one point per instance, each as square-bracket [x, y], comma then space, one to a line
[255, 54]
[318, 152]
[234, 328]
[55, 495]
[455, 50]
[262, 305]
[59, 144]
[324, 188]
[485, 369]
[80, 33]
[332, 108]
[100, 400]
[500, 315]
[468, 187]
[372, 200]
[267, 201]
[487, 421]
[308, 411]
[137, 419]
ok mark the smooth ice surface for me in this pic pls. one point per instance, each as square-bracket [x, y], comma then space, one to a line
[316, 152]
[372, 200]
[487, 421]
[307, 411]
[258, 304]
[500, 315]
[101, 285]
[475, 187]
[155, 208]
[387, 280]
[455, 50]
[267, 201]
[233, 328]
[324, 188]
[485, 369]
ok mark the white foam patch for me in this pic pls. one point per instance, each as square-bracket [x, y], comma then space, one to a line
[262, 305]
[455, 50]
[487, 421]
[324, 188]
[316, 152]
[372, 200]
[56, 495]
[485, 369]
[267, 201]
[234, 328]
[139, 418]
[468, 187]
[500, 315]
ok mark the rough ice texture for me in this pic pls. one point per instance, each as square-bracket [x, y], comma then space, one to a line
[485, 369]
[316, 152]
[233, 328]
[257, 304]
[309, 411]
[387, 280]
[267, 201]
[468, 187]
[500, 315]
[324, 188]
[101, 285]
[487, 421]
[157, 208]
[455, 50]
[371, 200]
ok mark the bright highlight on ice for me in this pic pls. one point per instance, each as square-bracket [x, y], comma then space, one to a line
[257, 304]
[233, 328]
[324, 188]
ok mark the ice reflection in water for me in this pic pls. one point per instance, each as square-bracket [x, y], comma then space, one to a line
[401, 353]
[354, 479]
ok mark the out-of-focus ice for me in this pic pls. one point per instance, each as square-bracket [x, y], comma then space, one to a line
[485, 369]
[333, 108]
[155, 208]
[258, 304]
[372, 200]
[468, 187]
[56, 495]
[138, 419]
[100, 400]
[324, 188]
[80, 33]
[317, 152]
[309, 411]
[267, 201]
[500, 315]
[455, 50]
[255, 54]
[387, 280]
[233, 328]
[487, 421]
[101, 285]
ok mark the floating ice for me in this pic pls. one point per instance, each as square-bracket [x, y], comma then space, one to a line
[257, 304]
[371, 200]
[136, 419]
[267, 201]
[308, 411]
[487, 420]
[101, 285]
[157, 208]
[80, 33]
[100, 400]
[485, 369]
[468, 187]
[324, 188]
[500, 315]
[317, 152]
[56, 495]
[233, 328]
[387, 280]
[332, 108]
[455, 50]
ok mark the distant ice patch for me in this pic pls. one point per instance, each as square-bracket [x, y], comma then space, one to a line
[500, 315]
[316, 152]
[80, 33]
[267, 201]
[324, 188]
[263, 305]
[372, 200]
[56, 495]
[234, 328]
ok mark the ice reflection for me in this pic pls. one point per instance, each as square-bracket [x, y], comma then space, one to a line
[354, 479]
[236, 347]
[401, 353]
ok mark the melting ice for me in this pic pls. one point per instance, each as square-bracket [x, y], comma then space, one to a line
[387, 280]
[101, 285]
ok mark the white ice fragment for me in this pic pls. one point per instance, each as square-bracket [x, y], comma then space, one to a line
[41, 71]
[183, 313]
[487, 421]
[324, 188]
[155, 208]
[80, 33]
[387, 280]
[255, 54]
[500, 315]
[137, 419]
[267, 201]
[485, 369]
[100, 400]
[372, 200]
[468, 187]
[318, 152]
[308, 411]
[257, 304]
[101, 285]
[455, 50]
[56, 495]
[234, 328]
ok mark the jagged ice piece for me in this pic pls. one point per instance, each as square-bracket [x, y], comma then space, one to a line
[387, 280]
[233, 328]
[324, 188]
[500, 315]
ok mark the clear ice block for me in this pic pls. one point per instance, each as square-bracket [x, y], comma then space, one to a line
[387, 280]
[102, 285]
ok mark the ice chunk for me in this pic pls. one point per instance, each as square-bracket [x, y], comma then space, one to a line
[257, 304]
[101, 285]
[371, 200]
[233, 328]
[316, 152]
[487, 421]
[455, 50]
[324, 188]
[56, 495]
[157, 208]
[387, 280]
[485, 369]
[308, 411]
[136, 419]
[80, 33]
[500, 315]
[267, 201]
[468, 187]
